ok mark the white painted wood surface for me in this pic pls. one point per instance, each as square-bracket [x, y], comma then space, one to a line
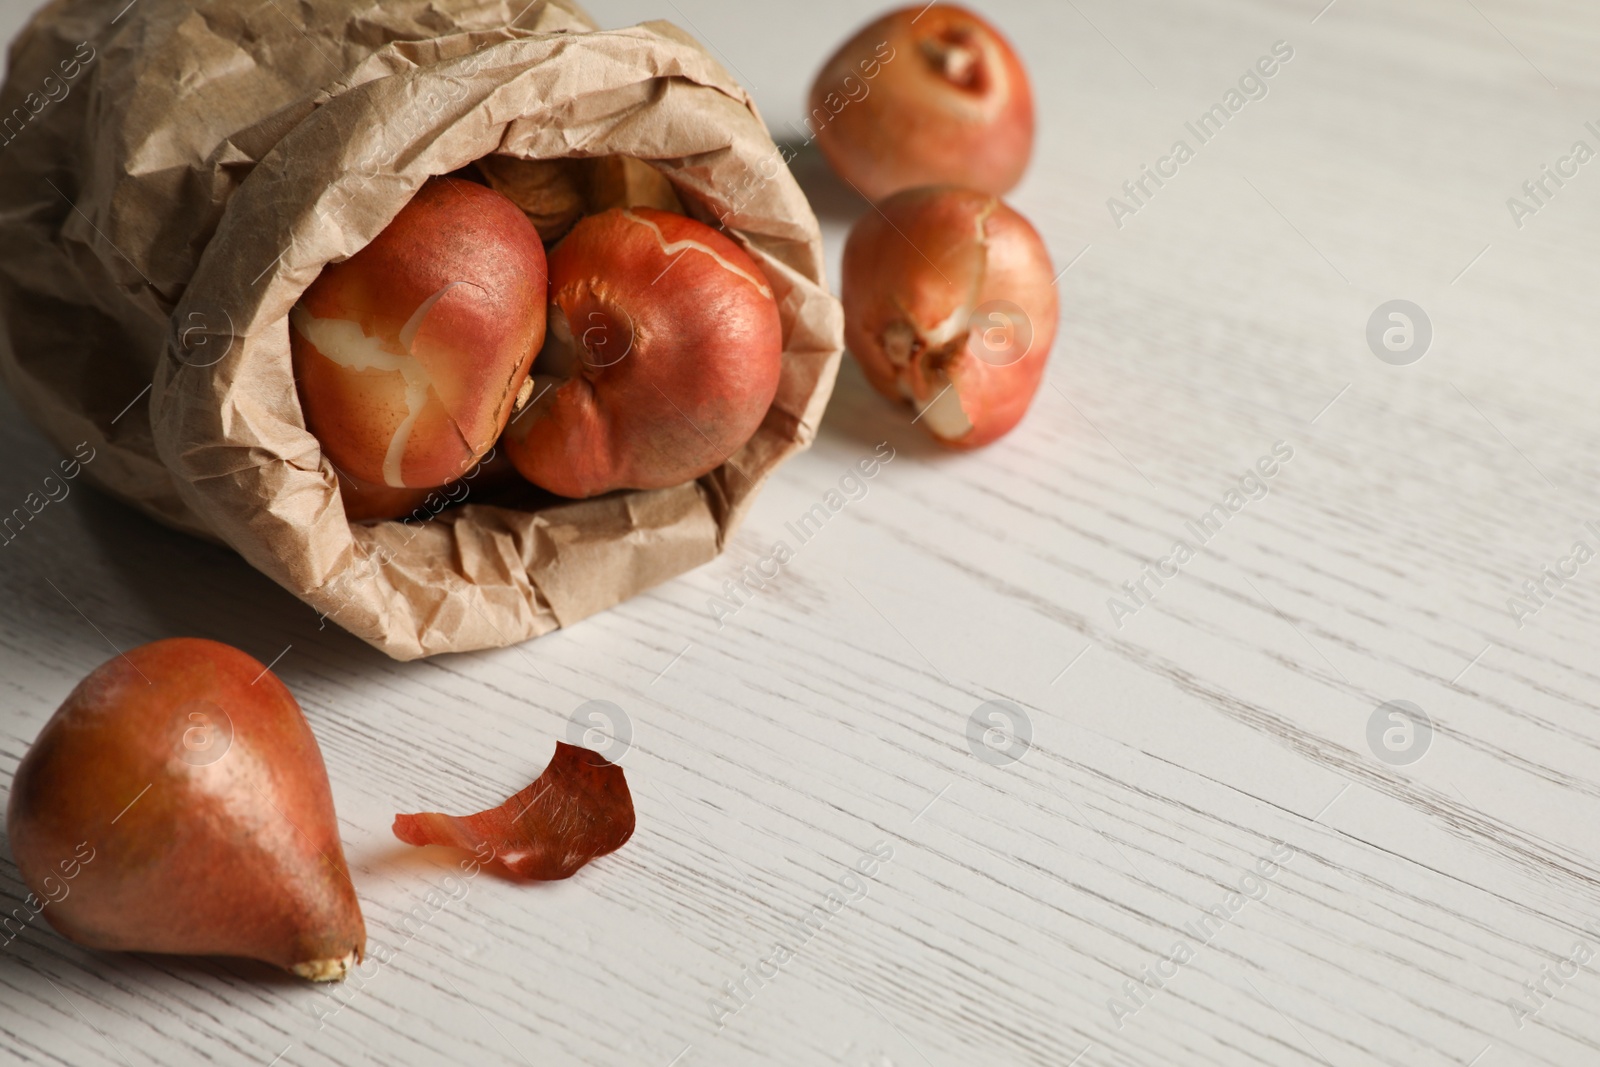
[1169, 755]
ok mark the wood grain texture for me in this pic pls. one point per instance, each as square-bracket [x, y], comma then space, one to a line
[1170, 754]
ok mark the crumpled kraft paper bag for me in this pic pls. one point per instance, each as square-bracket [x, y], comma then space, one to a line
[166, 206]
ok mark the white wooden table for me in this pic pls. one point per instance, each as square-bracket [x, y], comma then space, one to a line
[1407, 906]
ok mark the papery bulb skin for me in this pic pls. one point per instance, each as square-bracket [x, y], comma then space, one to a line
[950, 305]
[664, 354]
[409, 355]
[926, 95]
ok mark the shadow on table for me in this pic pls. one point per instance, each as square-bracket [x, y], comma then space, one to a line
[432, 863]
[197, 588]
[832, 198]
[859, 415]
[856, 411]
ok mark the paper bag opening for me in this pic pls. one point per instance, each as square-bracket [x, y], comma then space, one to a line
[188, 270]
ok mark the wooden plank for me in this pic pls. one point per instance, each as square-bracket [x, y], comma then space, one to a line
[1170, 754]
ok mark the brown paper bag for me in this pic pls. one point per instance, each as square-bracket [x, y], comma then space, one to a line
[192, 168]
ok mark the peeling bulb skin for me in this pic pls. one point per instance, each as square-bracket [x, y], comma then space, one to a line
[925, 95]
[664, 354]
[945, 418]
[177, 802]
[950, 305]
[410, 354]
